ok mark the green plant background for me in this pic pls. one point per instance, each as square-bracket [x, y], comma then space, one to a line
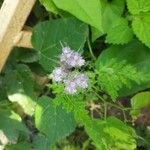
[114, 38]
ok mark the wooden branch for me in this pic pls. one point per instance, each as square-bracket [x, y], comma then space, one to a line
[13, 15]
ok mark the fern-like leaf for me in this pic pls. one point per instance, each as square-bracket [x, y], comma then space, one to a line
[114, 75]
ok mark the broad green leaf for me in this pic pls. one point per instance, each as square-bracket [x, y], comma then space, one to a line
[138, 102]
[50, 6]
[19, 146]
[53, 121]
[138, 6]
[111, 11]
[141, 27]
[111, 134]
[11, 125]
[40, 142]
[120, 32]
[86, 10]
[48, 36]
[96, 33]
[19, 85]
[135, 54]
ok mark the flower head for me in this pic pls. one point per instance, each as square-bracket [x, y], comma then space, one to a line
[72, 81]
[82, 81]
[70, 86]
[70, 58]
[58, 74]
[75, 81]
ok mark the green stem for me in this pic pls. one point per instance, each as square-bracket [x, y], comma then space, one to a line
[100, 97]
[121, 108]
[90, 49]
[105, 110]
[114, 105]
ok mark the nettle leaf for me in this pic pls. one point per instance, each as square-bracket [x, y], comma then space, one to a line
[53, 121]
[120, 32]
[19, 85]
[113, 75]
[141, 28]
[138, 6]
[11, 125]
[129, 53]
[50, 6]
[111, 11]
[138, 102]
[48, 36]
[111, 134]
[86, 10]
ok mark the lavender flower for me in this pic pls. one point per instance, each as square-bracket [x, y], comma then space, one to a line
[72, 81]
[70, 87]
[75, 81]
[71, 58]
[82, 81]
[58, 74]
[66, 54]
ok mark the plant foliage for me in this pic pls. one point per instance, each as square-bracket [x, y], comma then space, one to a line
[79, 87]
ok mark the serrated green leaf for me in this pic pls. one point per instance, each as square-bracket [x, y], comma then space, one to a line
[141, 28]
[19, 85]
[136, 54]
[86, 10]
[53, 121]
[48, 36]
[50, 6]
[138, 102]
[111, 134]
[138, 6]
[11, 125]
[120, 32]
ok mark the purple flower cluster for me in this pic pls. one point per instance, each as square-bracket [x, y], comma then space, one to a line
[70, 58]
[58, 74]
[76, 81]
[72, 80]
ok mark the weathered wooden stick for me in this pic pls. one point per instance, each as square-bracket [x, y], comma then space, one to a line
[23, 39]
[13, 15]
